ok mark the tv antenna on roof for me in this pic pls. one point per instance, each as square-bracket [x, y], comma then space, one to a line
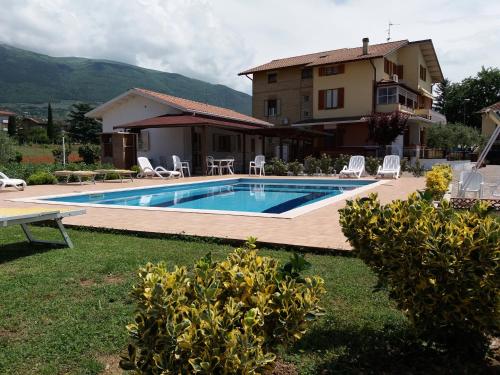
[389, 30]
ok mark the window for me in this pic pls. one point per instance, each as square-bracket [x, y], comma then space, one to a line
[144, 140]
[423, 73]
[305, 98]
[306, 114]
[387, 95]
[391, 68]
[331, 99]
[331, 70]
[272, 77]
[307, 73]
[272, 108]
[222, 143]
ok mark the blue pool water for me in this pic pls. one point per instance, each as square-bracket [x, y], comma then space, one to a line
[272, 196]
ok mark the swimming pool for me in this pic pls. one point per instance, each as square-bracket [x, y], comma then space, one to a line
[240, 196]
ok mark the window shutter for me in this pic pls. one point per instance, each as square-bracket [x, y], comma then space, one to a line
[341, 69]
[386, 66]
[321, 99]
[340, 97]
[400, 71]
[266, 108]
[278, 107]
[321, 71]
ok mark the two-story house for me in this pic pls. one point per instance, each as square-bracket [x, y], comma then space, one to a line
[329, 95]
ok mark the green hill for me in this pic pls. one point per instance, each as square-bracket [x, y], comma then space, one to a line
[29, 80]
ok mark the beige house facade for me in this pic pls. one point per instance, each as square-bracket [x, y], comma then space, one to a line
[333, 93]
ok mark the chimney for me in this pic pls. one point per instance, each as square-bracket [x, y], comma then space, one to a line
[365, 46]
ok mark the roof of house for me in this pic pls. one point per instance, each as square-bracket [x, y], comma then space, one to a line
[184, 105]
[183, 120]
[343, 55]
[6, 113]
[493, 107]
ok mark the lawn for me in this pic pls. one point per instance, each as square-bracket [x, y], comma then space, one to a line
[42, 153]
[64, 311]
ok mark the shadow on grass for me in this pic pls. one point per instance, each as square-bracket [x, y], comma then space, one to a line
[19, 250]
[392, 350]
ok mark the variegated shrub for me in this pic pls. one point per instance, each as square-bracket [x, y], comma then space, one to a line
[441, 266]
[220, 317]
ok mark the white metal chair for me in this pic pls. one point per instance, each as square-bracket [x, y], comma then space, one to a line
[470, 182]
[147, 170]
[6, 182]
[180, 166]
[258, 164]
[356, 167]
[390, 166]
[212, 168]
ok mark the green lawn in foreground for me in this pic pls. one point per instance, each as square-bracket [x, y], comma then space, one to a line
[63, 310]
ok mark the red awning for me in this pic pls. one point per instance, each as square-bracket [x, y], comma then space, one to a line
[184, 120]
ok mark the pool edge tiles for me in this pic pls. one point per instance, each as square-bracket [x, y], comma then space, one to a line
[361, 185]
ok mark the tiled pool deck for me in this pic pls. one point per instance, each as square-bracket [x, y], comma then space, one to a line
[319, 228]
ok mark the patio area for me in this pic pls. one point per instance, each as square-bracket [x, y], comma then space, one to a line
[316, 229]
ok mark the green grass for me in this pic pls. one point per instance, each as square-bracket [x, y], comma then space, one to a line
[62, 310]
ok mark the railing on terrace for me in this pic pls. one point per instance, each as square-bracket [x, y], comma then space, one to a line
[437, 153]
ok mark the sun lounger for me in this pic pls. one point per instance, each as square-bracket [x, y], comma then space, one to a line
[6, 182]
[391, 166]
[80, 175]
[355, 168]
[123, 174]
[147, 170]
[24, 216]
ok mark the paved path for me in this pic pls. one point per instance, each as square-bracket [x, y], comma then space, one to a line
[491, 175]
[319, 228]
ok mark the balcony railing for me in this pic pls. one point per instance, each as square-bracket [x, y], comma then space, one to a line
[432, 115]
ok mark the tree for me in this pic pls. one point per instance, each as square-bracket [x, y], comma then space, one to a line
[453, 136]
[385, 127]
[480, 91]
[11, 126]
[442, 89]
[83, 129]
[7, 152]
[50, 124]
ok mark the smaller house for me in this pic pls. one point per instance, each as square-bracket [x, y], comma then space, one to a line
[487, 123]
[4, 119]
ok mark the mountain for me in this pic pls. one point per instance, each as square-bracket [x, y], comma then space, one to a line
[29, 80]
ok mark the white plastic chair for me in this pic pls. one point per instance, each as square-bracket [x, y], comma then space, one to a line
[470, 182]
[258, 164]
[390, 166]
[356, 167]
[147, 170]
[6, 182]
[229, 166]
[212, 168]
[181, 165]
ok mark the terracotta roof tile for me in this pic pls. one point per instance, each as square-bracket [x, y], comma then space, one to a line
[6, 113]
[330, 57]
[202, 108]
[493, 107]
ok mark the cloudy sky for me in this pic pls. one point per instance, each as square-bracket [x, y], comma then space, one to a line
[215, 39]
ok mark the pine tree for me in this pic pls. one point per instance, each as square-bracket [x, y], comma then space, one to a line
[50, 124]
[11, 127]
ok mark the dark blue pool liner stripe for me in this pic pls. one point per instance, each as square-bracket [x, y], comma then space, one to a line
[171, 203]
[294, 203]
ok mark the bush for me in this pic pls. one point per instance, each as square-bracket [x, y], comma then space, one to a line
[18, 157]
[295, 167]
[439, 265]
[326, 164]
[221, 317]
[7, 152]
[58, 153]
[437, 180]
[276, 167]
[371, 165]
[42, 178]
[89, 153]
[311, 165]
[405, 165]
[340, 162]
[417, 170]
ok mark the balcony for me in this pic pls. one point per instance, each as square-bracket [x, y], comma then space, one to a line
[432, 115]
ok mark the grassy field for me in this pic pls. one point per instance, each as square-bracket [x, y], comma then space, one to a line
[64, 311]
[42, 153]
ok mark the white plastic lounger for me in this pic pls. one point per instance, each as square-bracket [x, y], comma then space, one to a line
[391, 166]
[147, 170]
[6, 182]
[356, 167]
[25, 216]
[470, 182]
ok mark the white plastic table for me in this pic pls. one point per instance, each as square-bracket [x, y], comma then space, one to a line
[221, 162]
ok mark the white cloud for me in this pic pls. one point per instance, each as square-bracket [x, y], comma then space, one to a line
[214, 40]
